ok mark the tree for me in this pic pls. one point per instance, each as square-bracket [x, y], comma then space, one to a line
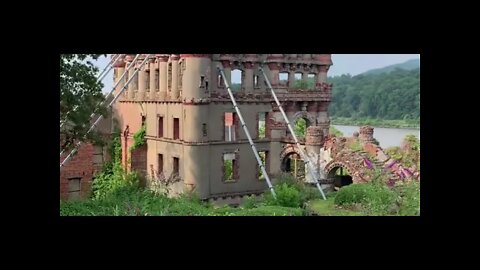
[80, 94]
[300, 127]
[390, 95]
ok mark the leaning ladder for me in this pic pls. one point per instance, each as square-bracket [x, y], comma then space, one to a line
[252, 144]
[305, 157]
[109, 105]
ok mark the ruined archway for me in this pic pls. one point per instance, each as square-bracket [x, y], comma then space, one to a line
[291, 161]
[340, 176]
[300, 122]
[309, 117]
[356, 173]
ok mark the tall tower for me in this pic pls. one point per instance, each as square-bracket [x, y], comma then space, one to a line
[195, 97]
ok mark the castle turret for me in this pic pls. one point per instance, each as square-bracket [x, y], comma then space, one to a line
[195, 84]
[196, 76]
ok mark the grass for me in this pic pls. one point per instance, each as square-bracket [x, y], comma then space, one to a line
[328, 208]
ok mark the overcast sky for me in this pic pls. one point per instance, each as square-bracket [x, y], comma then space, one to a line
[342, 64]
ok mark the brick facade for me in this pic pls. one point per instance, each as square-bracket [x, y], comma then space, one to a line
[80, 166]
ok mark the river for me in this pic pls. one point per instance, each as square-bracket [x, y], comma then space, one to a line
[387, 137]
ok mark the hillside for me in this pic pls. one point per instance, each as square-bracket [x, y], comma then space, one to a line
[393, 95]
[408, 65]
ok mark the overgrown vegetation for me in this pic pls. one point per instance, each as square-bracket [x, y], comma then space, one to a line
[408, 154]
[113, 177]
[228, 170]
[118, 194]
[300, 127]
[139, 138]
[355, 146]
[335, 132]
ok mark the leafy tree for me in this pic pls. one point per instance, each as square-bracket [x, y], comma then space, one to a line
[300, 127]
[393, 96]
[80, 94]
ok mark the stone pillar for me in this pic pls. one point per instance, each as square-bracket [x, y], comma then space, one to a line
[322, 75]
[274, 61]
[228, 72]
[304, 76]
[274, 71]
[119, 66]
[323, 119]
[132, 86]
[128, 62]
[291, 77]
[175, 75]
[163, 59]
[226, 60]
[248, 82]
[142, 79]
[366, 134]
[153, 84]
[314, 140]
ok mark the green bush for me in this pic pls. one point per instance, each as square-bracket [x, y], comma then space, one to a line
[290, 192]
[376, 198]
[409, 198]
[287, 196]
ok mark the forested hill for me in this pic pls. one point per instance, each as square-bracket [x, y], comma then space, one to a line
[393, 95]
[408, 65]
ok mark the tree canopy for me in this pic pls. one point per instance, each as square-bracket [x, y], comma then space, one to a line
[393, 95]
[80, 95]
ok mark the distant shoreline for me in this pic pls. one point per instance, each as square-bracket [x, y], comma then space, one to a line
[380, 123]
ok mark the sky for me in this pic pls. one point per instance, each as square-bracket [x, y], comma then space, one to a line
[353, 64]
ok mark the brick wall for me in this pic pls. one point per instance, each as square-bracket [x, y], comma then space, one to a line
[79, 166]
[139, 162]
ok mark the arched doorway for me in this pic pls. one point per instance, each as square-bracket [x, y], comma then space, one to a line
[291, 162]
[341, 177]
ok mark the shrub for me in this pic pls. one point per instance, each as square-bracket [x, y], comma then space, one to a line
[409, 198]
[376, 198]
[287, 196]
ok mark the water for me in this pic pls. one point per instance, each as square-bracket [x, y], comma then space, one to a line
[387, 137]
